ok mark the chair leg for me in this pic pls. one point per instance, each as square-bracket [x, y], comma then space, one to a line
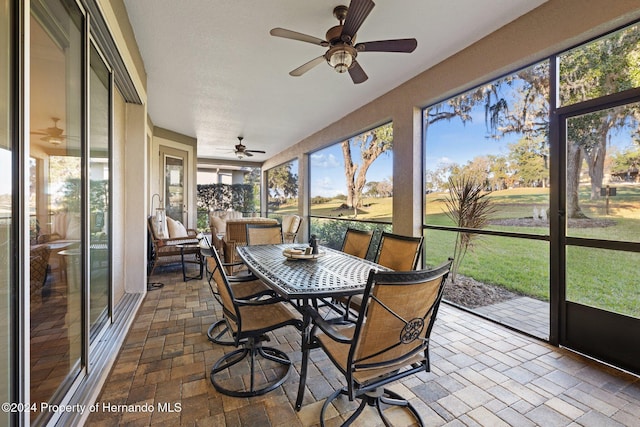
[397, 400]
[372, 398]
[218, 330]
[252, 349]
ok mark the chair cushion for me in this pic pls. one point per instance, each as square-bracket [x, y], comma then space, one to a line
[60, 223]
[176, 229]
[158, 229]
[73, 228]
[218, 225]
[290, 223]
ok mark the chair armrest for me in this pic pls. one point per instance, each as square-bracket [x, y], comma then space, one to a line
[254, 299]
[46, 238]
[178, 240]
[329, 329]
[217, 243]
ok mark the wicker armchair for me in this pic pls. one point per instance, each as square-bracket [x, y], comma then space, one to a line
[236, 235]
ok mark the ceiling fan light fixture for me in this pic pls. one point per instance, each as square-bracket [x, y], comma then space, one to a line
[53, 140]
[240, 155]
[341, 58]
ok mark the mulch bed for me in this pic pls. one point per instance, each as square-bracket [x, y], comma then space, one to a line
[572, 223]
[470, 293]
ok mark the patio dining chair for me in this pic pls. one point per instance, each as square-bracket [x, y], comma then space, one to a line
[250, 320]
[256, 234]
[397, 252]
[389, 341]
[357, 242]
[245, 286]
[264, 234]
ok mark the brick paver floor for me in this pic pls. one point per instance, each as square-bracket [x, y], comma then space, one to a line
[482, 375]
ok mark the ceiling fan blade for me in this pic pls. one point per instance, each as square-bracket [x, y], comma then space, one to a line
[307, 66]
[255, 151]
[293, 35]
[400, 45]
[357, 73]
[358, 12]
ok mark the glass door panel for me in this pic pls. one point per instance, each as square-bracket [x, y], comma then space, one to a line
[6, 210]
[55, 196]
[174, 187]
[99, 193]
[603, 186]
[604, 279]
[600, 314]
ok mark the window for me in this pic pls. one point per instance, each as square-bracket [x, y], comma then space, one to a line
[351, 184]
[487, 169]
[496, 137]
[605, 66]
[282, 187]
[227, 188]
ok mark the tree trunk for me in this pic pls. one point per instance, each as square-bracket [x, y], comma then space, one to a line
[596, 161]
[574, 161]
[349, 173]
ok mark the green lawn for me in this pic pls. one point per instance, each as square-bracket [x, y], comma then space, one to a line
[601, 278]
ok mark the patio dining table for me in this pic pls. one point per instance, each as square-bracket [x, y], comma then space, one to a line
[305, 282]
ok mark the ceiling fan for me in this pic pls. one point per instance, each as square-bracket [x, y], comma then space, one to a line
[241, 150]
[340, 40]
[53, 135]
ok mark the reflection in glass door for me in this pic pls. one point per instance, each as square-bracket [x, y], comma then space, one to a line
[602, 230]
[99, 192]
[55, 199]
[6, 211]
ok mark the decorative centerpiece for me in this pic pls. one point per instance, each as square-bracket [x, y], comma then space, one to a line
[305, 252]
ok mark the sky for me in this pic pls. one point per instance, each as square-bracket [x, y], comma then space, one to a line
[327, 170]
[455, 144]
[447, 142]
[450, 142]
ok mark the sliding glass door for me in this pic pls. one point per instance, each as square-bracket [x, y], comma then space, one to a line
[56, 198]
[6, 211]
[99, 191]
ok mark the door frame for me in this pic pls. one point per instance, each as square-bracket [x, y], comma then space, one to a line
[172, 152]
[608, 336]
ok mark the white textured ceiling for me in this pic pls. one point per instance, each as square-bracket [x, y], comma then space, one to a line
[214, 72]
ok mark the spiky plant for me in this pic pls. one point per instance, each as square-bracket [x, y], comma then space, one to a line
[469, 208]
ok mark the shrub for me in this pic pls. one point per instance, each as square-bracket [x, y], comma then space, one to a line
[470, 208]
